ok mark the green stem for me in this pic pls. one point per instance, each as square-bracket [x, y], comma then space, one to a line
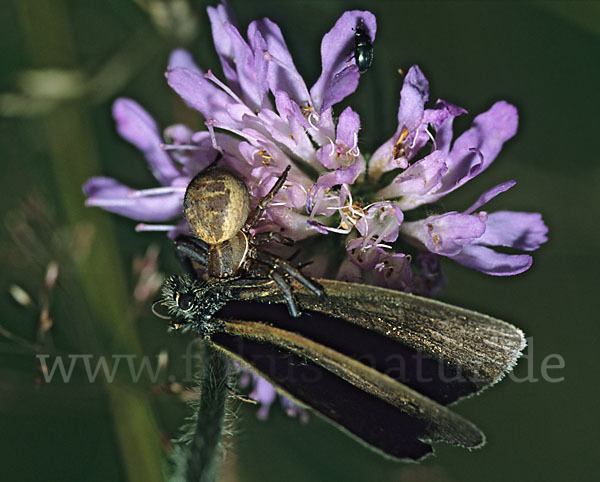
[204, 448]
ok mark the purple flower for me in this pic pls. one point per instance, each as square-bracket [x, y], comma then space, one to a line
[260, 116]
[264, 393]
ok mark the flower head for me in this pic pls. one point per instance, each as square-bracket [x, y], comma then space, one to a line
[261, 117]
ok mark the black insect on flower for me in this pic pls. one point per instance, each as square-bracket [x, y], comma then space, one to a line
[363, 48]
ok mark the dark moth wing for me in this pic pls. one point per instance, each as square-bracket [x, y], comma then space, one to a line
[377, 363]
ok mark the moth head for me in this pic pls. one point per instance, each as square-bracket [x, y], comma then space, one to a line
[182, 299]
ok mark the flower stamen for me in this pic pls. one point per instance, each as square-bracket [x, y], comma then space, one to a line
[157, 191]
[399, 149]
[154, 227]
[213, 78]
[180, 147]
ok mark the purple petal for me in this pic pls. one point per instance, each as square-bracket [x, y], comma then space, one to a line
[296, 225]
[490, 194]
[413, 96]
[394, 272]
[382, 159]
[245, 68]
[326, 156]
[525, 231]
[181, 58]
[342, 175]
[201, 94]
[115, 197]
[291, 409]
[261, 67]
[489, 132]
[179, 133]
[325, 130]
[341, 86]
[430, 281]
[445, 234]
[264, 394]
[289, 110]
[422, 177]
[220, 17]
[348, 127]
[490, 262]
[339, 78]
[137, 126]
[441, 118]
[349, 271]
[281, 79]
[191, 160]
[380, 223]
[441, 112]
[277, 128]
[365, 259]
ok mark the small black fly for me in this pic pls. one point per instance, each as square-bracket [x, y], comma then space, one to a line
[363, 48]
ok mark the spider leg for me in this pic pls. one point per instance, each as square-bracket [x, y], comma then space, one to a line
[304, 265]
[272, 236]
[262, 204]
[188, 249]
[283, 266]
[294, 254]
[287, 293]
[247, 283]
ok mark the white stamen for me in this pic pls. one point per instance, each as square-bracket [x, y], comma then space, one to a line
[354, 148]
[338, 230]
[181, 147]
[313, 117]
[154, 227]
[210, 76]
[353, 151]
[332, 144]
[210, 123]
[157, 191]
[432, 138]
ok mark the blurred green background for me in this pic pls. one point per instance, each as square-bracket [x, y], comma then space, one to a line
[62, 65]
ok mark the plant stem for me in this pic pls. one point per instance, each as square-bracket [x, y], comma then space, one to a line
[201, 464]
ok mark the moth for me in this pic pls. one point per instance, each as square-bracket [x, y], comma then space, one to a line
[381, 365]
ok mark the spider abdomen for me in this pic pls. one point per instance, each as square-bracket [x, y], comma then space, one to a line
[216, 205]
[225, 259]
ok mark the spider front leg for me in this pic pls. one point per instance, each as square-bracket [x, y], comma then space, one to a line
[188, 249]
[282, 266]
[261, 270]
[262, 204]
[289, 297]
[262, 238]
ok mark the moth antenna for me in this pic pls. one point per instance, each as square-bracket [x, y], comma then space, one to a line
[156, 312]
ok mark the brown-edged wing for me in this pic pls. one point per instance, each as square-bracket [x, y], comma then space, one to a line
[482, 348]
[379, 411]
[377, 363]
